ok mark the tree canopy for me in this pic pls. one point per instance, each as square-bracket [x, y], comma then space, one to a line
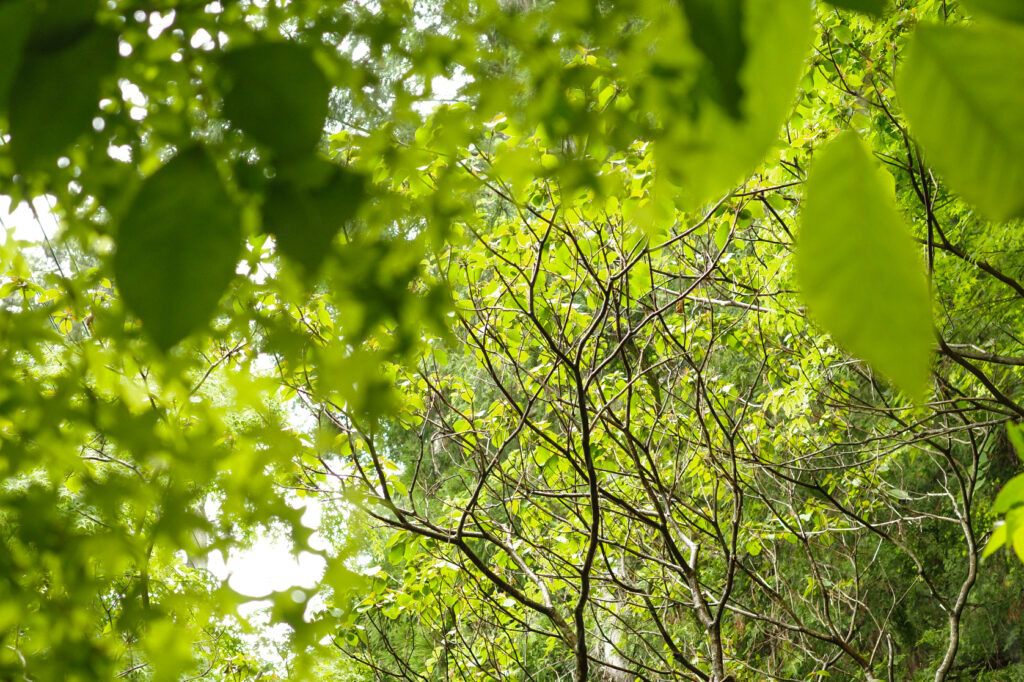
[633, 340]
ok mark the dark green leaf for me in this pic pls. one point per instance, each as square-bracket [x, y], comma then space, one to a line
[276, 93]
[15, 19]
[962, 89]
[177, 248]
[304, 218]
[716, 29]
[59, 23]
[859, 270]
[874, 7]
[1010, 10]
[55, 96]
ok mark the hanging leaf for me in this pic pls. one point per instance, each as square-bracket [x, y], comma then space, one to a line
[1010, 10]
[858, 269]
[716, 29]
[177, 248]
[304, 217]
[276, 93]
[962, 89]
[873, 7]
[55, 96]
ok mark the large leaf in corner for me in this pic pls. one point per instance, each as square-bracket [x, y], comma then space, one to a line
[962, 89]
[276, 93]
[859, 270]
[56, 94]
[177, 248]
[305, 212]
[709, 155]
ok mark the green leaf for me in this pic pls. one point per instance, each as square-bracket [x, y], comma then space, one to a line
[58, 23]
[962, 89]
[177, 247]
[1016, 434]
[722, 234]
[305, 217]
[710, 155]
[859, 270]
[1010, 10]
[276, 93]
[716, 29]
[15, 20]
[1010, 496]
[997, 540]
[873, 7]
[55, 96]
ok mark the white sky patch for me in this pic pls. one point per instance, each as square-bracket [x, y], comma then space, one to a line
[133, 96]
[158, 23]
[270, 566]
[448, 88]
[360, 51]
[202, 40]
[443, 89]
[24, 222]
[120, 152]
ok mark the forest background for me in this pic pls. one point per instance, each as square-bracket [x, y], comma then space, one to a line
[674, 340]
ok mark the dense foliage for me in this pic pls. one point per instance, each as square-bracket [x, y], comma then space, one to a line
[672, 339]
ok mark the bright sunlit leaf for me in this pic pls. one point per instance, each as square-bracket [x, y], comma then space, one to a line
[962, 89]
[858, 269]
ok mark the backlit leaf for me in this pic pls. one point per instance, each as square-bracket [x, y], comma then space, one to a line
[276, 93]
[1011, 495]
[962, 89]
[177, 248]
[859, 270]
[997, 540]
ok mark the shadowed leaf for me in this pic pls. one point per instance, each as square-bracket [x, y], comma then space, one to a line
[276, 93]
[15, 20]
[55, 96]
[716, 29]
[304, 219]
[177, 248]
